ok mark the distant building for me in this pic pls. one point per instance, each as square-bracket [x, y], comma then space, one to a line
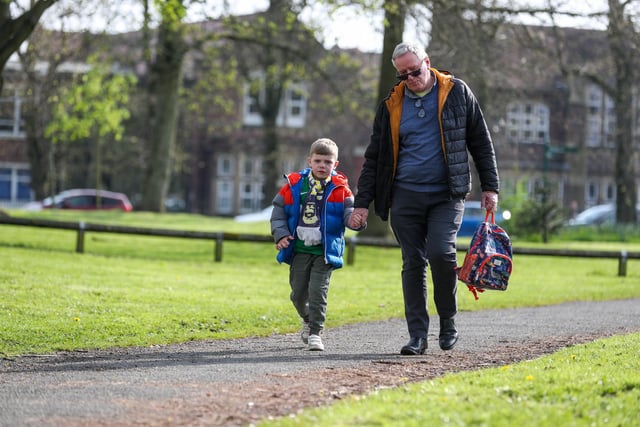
[544, 125]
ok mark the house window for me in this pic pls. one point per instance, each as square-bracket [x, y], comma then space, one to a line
[291, 164]
[250, 196]
[601, 119]
[610, 192]
[293, 105]
[591, 193]
[224, 196]
[250, 186]
[225, 165]
[252, 167]
[225, 169]
[294, 108]
[11, 117]
[15, 184]
[528, 122]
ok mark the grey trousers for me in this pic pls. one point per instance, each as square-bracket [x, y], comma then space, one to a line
[309, 278]
[425, 225]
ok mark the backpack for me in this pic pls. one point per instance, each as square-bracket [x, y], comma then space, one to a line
[488, 262]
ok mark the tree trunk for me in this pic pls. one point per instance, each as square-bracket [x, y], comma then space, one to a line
[394, 17]
[166, 80]
[271, 169]
[622, 39]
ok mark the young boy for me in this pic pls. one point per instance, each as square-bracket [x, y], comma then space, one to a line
[308, 222]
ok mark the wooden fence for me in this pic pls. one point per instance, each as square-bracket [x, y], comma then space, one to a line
[218, 237]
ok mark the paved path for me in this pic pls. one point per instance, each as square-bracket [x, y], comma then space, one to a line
[42, 390]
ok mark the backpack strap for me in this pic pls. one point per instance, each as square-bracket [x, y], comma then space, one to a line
[475, 291]
[493, 217]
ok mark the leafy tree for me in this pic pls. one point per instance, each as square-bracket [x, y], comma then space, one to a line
[94, 109]
[540, 214]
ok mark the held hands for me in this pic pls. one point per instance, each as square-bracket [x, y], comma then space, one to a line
[358, 218]
[489, 201]
[284, 242]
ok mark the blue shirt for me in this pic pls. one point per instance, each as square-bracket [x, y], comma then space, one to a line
[421, 165]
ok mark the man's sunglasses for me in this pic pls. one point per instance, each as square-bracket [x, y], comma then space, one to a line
[414, 73]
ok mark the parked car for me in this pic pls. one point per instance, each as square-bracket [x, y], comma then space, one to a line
[263, 215]
[84, 199]
[597, 215]
[474, 215]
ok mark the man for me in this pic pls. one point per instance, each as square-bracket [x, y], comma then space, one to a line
[417, 171]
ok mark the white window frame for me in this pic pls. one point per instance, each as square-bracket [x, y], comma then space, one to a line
[12, 126]
[225, 165]
[601, 117]
[15, 179]
[251, 167]
[250, 195]
[609, 192]
[591, 193]
[528, 122]
[224, 195]
[293, 106]
[293, 113]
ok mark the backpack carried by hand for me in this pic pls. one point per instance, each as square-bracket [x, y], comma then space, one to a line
[489, 260]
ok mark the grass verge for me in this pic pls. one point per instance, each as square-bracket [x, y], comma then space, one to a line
[139, 291]
[595, 384]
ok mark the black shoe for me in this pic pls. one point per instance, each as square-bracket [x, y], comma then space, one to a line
[448, 334]
[414, 347]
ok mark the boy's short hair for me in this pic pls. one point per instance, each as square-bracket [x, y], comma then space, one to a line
[325, 147]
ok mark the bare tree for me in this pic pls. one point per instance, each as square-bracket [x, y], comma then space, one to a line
[14, 31]
[40, 87]
[614, 69]
[274, 43]
[275, 50]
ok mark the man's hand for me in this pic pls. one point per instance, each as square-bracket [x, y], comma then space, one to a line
[358, 217]
[489, 201]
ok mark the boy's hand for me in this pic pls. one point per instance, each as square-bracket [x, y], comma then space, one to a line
[284, 242]
[358, 218]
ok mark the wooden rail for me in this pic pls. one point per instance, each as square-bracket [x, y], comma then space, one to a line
[218, 237]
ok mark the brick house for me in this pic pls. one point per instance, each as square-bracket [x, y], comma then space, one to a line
[544, 125]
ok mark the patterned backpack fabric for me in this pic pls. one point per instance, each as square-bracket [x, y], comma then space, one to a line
[489, 261]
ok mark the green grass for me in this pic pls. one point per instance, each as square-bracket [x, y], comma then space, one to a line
[179, 221]
[140, 291]
[136, 290]
[596, 384]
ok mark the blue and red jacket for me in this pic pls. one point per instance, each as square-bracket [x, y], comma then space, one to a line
[336, 211]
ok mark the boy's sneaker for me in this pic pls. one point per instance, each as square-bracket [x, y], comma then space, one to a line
[315, 343]
[304, 333]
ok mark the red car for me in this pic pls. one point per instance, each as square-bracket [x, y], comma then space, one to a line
[87, 199]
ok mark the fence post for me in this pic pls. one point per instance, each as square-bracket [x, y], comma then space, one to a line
[351, 251]
[80, 238]
[218, 247]
[622, 263]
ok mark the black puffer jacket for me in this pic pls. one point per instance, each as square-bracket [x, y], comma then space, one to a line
[463, 130]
